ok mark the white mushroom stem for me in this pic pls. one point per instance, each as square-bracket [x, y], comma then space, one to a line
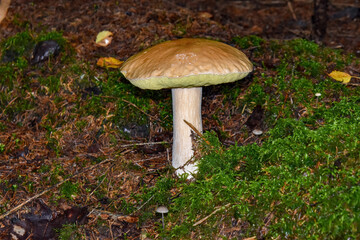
[186, 105]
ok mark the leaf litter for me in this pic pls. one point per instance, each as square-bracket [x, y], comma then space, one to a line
[31, 148]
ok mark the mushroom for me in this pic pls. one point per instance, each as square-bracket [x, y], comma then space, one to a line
[186, 65]
[257, 132]
[162, 210]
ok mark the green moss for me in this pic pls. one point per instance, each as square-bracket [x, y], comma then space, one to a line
[248, 41]
[19, 45]
[17, 80]
[69, 190]
[179, 29]
[292, 174]
[302, 46]
[69, 232]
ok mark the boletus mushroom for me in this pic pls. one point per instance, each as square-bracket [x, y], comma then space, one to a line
[185, 66]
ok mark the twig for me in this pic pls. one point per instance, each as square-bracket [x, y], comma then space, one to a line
[215, 211]
[353, 84]
[142, 144]
[113, 216]
[197, 132]
[147, 159]
[3, 111]
[142, 205]
[107, 170]
[132, 104]
[291, 10]
[50, 188]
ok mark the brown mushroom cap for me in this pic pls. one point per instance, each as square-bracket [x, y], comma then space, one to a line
[186, 63]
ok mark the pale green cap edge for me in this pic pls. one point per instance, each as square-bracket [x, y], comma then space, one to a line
[157, 83]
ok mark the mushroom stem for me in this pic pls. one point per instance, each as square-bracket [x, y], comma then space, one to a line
[162, 218]
[186, 105]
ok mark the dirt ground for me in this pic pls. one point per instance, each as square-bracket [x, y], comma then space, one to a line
[138, 24]
[142, 23]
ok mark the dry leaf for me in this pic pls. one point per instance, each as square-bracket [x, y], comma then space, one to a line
[129, 219]
[340, 76]
[109, 62]
[206, 15]
[104, 38]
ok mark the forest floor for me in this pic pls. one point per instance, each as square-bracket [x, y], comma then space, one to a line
[66, 138]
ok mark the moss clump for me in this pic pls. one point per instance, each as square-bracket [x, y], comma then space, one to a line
[301, 180]
[248, 41]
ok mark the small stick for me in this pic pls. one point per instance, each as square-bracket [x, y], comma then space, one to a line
[147, 159]
[113, 216]
[13, 100]
[291, 10]
[107, 170]
[197, 132]
[142, 205]
[215, 211]
[50, 188]
[142, 144]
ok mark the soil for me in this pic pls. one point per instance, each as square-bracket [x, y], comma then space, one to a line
[140, 24]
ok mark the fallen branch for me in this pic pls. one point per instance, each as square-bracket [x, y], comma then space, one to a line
[51, 188]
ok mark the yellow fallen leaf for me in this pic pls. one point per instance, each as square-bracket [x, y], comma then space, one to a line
[109, 62]
[340, 76]
[104, 38]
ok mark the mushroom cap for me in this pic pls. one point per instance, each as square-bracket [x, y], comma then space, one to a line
[257, 132]
[186, 63]
[162, 209]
